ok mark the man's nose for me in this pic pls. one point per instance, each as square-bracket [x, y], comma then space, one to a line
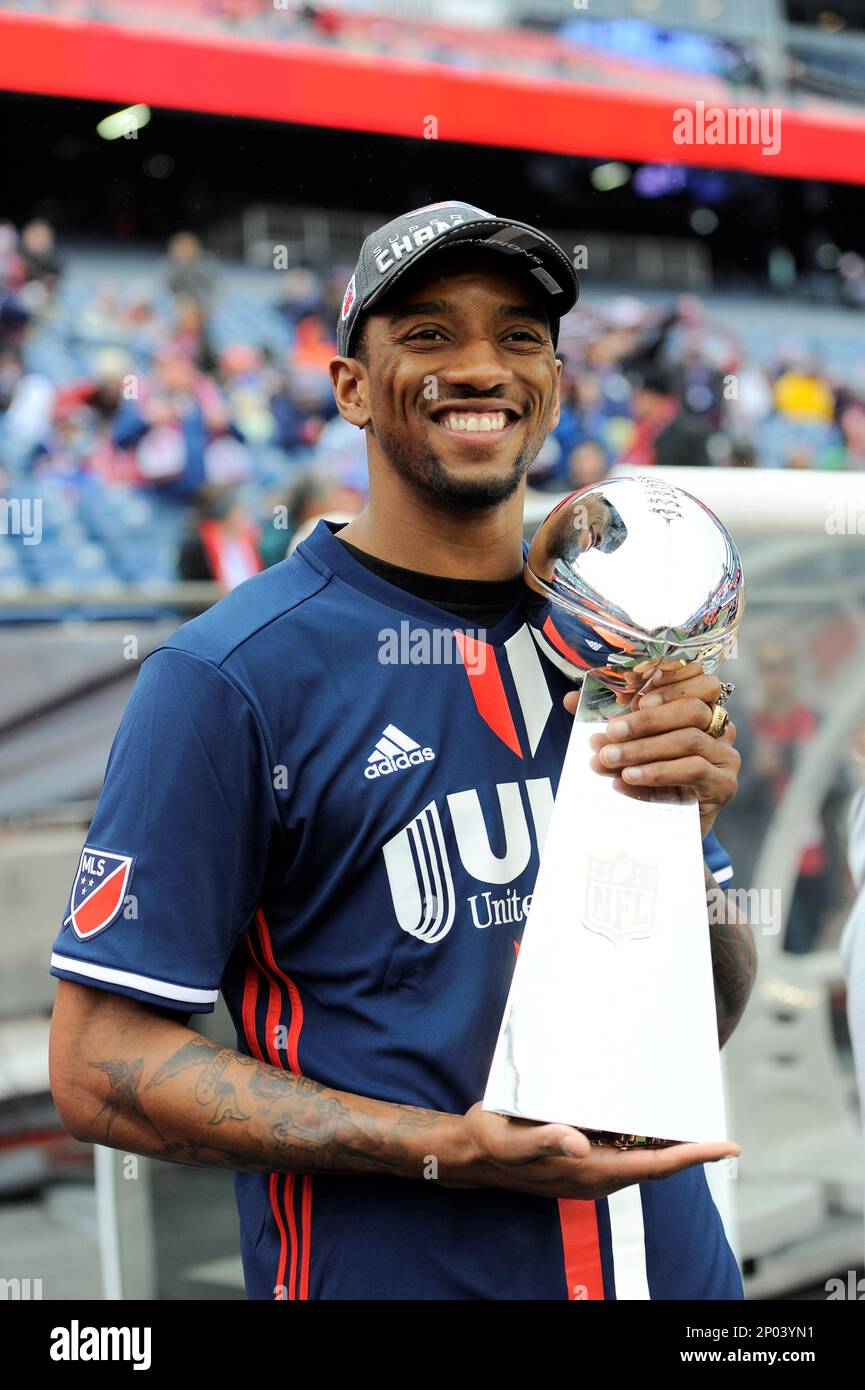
[479, 364]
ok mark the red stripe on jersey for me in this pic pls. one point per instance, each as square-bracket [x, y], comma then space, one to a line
[273, 1193]
[288, 1181]
[293, 994]
[271, 1022]
[250, 998]
[273, 1014]
[278, 1182]
[582, 1248]
[551, 631]
[485, 683]
[306, 1224]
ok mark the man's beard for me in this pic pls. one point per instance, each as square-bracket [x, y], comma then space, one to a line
[427, 472]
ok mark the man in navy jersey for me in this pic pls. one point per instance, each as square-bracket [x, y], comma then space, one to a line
[327, 799]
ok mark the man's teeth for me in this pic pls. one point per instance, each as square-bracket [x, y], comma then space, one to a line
[471, 421]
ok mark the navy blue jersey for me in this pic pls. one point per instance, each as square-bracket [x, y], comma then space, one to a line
[326, 799]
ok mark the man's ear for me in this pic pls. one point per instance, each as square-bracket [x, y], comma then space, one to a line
[557, 410]
[350, 386]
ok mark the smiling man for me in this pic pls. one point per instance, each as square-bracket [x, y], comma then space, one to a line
[346, 848]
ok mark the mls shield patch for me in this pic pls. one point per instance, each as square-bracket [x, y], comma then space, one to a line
[98, 891]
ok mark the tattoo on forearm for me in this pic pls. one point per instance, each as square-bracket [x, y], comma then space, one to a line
[123, 1082]
[302, 1125]
[210, 1088]
[276, 1085]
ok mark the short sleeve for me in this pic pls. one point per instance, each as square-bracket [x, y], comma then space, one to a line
[177, 852]
[717, 860]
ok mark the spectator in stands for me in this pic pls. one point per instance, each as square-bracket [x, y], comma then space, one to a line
[302, 294]
[188, 270]
[800, 456]
[741, 454]
[181, 431]
[587, 464]
[190, 334]
[666, 432]
[585, 410]
[748, 399]
[246, 379]
[222, 543]
[111, 380]
[850, 451]
[14, 319]
[128, 318]
[314, 344]
[313, 495]
[26, 404]
[41, 263]
[803, 394]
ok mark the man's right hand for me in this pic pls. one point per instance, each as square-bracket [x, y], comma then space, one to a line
[554, 1160]
[124, 1075]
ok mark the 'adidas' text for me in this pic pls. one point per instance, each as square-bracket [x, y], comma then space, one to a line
[393, 752]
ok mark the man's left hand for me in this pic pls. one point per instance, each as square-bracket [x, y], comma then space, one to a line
[662, 741]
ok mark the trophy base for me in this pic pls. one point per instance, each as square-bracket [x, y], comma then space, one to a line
[626, 1141]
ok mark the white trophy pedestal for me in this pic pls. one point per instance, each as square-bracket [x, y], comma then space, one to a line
[610, 1022]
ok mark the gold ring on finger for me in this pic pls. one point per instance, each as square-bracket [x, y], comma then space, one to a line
[719, 721]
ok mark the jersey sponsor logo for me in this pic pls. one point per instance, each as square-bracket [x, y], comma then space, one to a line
[501, 910]
[418, 864]
[420, 878]
[98, 891]
[394, 752]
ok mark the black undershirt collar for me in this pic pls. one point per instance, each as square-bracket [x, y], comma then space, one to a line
[483, 602]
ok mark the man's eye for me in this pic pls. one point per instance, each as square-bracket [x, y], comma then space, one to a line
[525, 334]
[426, 333]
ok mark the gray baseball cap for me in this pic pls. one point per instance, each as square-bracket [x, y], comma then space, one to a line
[389, 252]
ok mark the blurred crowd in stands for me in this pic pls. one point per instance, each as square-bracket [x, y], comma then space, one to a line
[182, 452]
[235, 442]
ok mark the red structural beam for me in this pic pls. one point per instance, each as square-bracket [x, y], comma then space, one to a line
[348, 91]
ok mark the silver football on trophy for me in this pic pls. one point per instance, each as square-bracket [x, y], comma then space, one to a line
[630, 570]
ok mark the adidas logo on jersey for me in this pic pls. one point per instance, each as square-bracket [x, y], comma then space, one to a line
[393, 752]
